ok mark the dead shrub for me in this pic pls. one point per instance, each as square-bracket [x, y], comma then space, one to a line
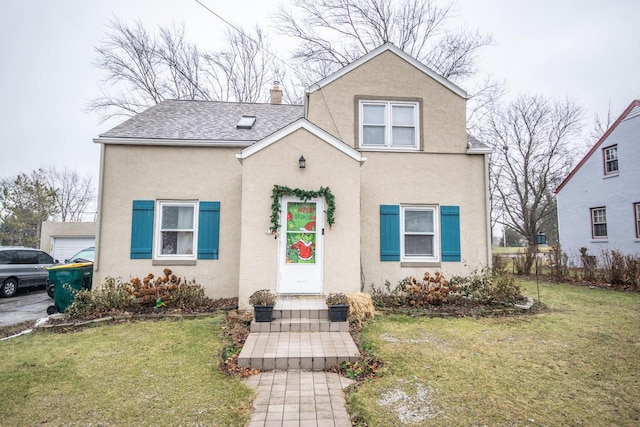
[360, 307]
[432, 290]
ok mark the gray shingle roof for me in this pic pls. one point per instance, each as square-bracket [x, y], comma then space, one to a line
[206, 120]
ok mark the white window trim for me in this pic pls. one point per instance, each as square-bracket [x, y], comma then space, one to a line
[157, 251]
[388, 146]
[617, 159]
[593, 223]
[436, 234]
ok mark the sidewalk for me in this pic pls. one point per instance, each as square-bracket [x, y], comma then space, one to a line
[299, 398]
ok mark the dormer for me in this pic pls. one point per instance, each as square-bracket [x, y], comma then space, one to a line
[389, 101]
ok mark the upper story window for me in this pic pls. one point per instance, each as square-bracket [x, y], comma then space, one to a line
[599, 223]
[175, 230]
[611, 160]
[418, 225]
[389, 125]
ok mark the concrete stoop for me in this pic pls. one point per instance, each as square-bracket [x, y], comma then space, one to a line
[300, 337]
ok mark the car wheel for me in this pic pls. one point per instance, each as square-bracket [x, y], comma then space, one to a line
[9, 288]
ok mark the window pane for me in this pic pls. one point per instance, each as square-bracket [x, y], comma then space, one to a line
[420, 245]
[177, 217]
[600, 230]
[373, 114]
[404, 136]
[373, 135]
[177, 242]
[418, 221]
[403, 115]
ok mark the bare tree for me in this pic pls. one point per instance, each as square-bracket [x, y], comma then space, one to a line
[244, 70]
[73, 194]
[334, 33]
[533, 142]
[143, 68]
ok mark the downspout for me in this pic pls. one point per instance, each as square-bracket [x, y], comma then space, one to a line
[487, 192]
[96, 263]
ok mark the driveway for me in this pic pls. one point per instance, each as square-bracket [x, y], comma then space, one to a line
[24, 306]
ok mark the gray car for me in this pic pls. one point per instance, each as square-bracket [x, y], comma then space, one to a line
[21, 268]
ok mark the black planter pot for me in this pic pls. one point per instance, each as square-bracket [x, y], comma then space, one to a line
[338, 313]
[263, 313]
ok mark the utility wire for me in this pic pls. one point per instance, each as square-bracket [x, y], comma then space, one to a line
[240, 31]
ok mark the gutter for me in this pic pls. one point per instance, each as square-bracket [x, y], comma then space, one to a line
[172, 142]
[96, 263]
[487, 192]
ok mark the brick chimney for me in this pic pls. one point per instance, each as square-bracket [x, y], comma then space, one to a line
[276, 94]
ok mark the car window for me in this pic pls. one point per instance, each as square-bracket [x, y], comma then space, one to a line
[27, 257]
[6, 257]
[88, 254]
[44, 258]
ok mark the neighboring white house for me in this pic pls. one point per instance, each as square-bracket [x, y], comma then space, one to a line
[599, 202]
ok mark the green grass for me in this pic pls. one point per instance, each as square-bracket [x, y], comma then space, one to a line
[143, 373]
[512, 250]
[576, 364]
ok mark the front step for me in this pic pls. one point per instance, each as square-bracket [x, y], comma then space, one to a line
[300, 337]
[299, 325]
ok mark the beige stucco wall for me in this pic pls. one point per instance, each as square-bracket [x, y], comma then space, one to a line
[423, 178]
[326, 167]
[64, 229]
[174, 173]
[334, 107]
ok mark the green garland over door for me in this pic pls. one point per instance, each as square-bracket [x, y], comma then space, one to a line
[304, 195]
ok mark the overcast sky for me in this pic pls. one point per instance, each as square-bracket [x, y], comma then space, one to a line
[587, 50]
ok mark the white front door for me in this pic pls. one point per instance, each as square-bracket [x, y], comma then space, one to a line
[300, 248]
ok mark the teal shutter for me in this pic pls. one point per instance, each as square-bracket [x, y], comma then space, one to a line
[142, 229]
[450, 230]
[208, 230]
[389, 233]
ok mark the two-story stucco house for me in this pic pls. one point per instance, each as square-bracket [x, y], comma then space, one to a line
[599, 202]
[391, 185]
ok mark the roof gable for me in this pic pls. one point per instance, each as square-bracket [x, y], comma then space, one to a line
[399, 52]
[310, 127]
[631, 111]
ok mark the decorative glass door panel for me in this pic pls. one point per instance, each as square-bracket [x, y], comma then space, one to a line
[300, 259]
[301, 233]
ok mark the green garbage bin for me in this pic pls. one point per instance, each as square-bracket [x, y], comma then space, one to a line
[77, 275]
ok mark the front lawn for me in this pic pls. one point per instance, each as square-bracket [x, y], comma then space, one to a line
[576, 364]
[141, 373]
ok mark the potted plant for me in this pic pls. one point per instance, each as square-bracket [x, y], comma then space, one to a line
[338, 307]
[262, 302]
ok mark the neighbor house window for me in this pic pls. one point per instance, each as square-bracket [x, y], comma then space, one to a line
[390, 125]
[176, 226]
[611, 160]
[636, 207]
[418, 225]
[599, 223]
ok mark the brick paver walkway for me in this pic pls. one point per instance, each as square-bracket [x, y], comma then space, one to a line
[299, 398]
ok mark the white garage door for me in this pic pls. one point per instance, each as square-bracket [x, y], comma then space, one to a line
[66, 247]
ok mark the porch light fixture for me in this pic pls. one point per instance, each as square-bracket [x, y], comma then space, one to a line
[302, 162]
